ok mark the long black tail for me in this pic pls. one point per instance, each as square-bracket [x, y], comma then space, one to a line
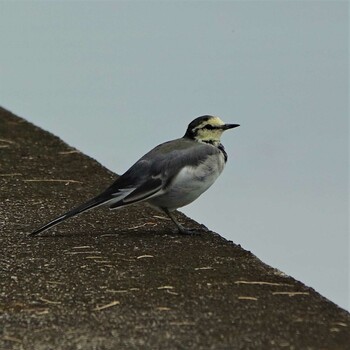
[92, 203]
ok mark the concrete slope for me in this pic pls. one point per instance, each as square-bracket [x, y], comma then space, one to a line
[122, 279]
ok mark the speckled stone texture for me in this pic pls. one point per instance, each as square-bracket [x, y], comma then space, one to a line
[122, 279]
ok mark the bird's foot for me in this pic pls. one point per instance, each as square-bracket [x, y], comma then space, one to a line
[182, 230]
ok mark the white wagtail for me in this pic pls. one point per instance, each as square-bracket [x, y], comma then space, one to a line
[169, 176]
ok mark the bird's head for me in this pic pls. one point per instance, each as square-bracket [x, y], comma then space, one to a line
[207, 129]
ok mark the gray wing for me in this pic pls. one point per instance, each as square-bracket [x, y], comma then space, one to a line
[151, 174]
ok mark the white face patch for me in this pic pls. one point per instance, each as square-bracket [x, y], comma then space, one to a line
[209, 135]
[216, 121]
[203, 131]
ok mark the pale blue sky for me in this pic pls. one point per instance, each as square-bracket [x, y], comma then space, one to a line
[116, 78]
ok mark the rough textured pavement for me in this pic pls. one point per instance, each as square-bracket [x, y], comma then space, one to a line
[123, 279]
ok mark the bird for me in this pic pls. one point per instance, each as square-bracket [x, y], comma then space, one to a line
[170, 176]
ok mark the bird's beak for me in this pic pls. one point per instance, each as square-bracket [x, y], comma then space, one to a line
[229, 126]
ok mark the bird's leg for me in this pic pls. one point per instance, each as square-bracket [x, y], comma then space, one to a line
[181, 229]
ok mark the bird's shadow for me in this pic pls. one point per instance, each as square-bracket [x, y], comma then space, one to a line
[171, 233]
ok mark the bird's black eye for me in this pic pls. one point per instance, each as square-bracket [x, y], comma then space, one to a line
[209, 127]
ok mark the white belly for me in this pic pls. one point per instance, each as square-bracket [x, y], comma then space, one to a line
[190, 183]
